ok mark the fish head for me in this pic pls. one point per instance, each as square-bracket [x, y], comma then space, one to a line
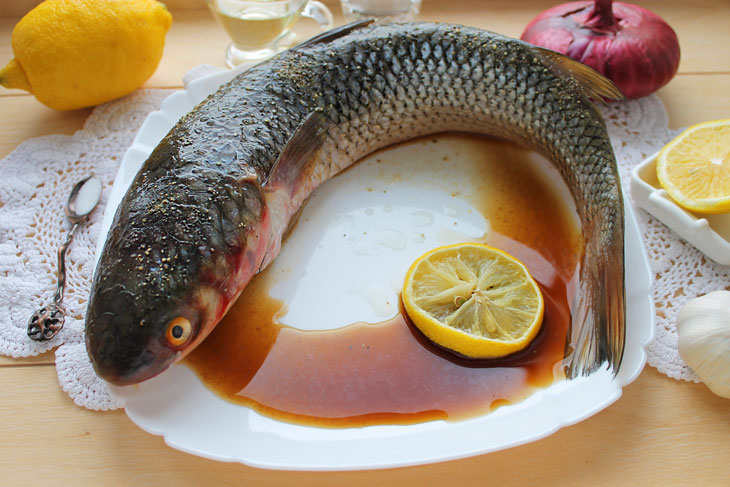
[169, 270]
[132, 337]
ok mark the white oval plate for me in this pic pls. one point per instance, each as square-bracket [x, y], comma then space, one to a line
[372, 240]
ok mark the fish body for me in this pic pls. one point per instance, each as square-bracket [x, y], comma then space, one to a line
[208, 209]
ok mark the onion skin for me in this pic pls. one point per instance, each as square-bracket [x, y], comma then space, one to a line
[630, 45]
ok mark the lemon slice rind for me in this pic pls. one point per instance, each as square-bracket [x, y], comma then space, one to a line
[474, 300]
[694, 168]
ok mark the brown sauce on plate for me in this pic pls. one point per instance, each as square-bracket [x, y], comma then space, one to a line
[388, 373]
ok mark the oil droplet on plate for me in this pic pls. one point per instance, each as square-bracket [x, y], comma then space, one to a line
[421, 218]
[392, 239]
[362, 248]
[382, 300]
[449, 211]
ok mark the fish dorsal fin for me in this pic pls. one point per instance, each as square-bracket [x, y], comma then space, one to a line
[336, 33]
[299, 151]
[594, 83]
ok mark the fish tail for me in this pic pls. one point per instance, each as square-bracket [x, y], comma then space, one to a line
[598, 326]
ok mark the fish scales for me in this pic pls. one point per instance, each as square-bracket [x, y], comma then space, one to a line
[209, 207]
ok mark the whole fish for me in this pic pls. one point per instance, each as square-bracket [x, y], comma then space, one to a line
[208, 209]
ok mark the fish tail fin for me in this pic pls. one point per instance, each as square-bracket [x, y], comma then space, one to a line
[598, 326]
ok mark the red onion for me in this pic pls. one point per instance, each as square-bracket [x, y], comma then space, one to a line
[630, 45]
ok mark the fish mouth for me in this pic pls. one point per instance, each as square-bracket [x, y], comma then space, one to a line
[125, 337]
[121, 364]
[121, 374]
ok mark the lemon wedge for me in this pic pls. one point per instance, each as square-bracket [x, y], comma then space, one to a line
[474, 300]
[694, 168]
[73, 54]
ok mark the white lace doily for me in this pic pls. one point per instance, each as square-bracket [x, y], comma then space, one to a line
[37, 179]
[39, 174]
[638, 129]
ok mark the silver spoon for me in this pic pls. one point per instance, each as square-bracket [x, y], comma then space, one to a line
[48, 321]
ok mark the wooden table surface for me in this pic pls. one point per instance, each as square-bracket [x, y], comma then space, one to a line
[660, 432]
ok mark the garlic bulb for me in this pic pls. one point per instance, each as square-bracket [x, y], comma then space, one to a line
[703, 326]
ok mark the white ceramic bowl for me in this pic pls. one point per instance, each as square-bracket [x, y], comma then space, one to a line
[709, 233]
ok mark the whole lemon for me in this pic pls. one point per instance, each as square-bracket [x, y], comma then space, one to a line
[77, 53]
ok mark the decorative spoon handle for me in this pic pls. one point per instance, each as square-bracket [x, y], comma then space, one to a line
[48, 321]
[58, 297]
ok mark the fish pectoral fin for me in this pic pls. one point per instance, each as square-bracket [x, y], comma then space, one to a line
[293, 221]
[336, 33]
[298, 153]
[594, 83]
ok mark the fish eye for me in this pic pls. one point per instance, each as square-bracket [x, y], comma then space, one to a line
[179, 331]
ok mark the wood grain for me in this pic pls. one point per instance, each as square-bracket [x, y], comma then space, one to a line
[695, 98]
[661, 432]
[688, 98]
[47, 358]
[195, 39]
[31, 119]
[187, 46]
